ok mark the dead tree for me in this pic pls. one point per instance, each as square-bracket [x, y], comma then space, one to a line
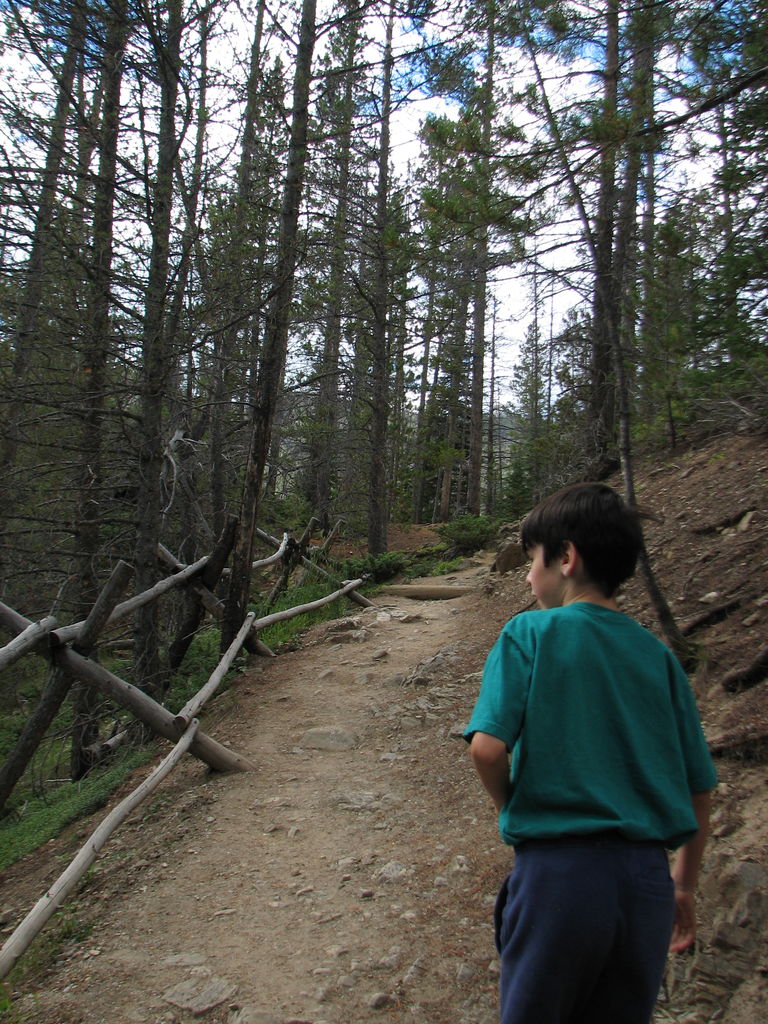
[276, 337]
[199, 596]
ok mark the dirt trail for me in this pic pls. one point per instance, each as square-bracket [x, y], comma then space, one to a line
[330, 885]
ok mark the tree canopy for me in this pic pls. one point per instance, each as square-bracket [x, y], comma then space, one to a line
[367, 262]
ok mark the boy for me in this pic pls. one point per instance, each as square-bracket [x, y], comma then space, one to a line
[609, 769]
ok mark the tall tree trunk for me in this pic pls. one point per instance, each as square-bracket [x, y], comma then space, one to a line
[421, 420]
[480, 257]
[186, 429]
[379, 394]
[93, 372]
[641, 113]
[323, 443]
[610, 315]
[491, 479]
[34, 284]
[475, 461]
[156, 362]
[605, 298]
[226, 340]
[454, 370]
[276, 335]
[35, 278]
[399, 418]
[649, 320]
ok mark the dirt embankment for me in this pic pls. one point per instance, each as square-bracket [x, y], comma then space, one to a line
[350, 877]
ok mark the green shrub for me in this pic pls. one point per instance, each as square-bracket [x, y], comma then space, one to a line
[443, 568]
[468, 534]
[375, 568]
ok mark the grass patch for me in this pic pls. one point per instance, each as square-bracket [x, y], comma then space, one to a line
[285, 635]
[374, 568]
[426, 561]
[199, 663]
[442, 568]
[44, 818]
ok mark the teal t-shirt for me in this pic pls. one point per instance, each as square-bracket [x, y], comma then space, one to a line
[602, 725]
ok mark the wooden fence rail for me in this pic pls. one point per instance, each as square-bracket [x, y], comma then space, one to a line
[188, 712]
[67, 648]
[26, 641]
[66, 634]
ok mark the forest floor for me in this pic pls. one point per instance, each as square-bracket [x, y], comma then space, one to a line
[350, 877]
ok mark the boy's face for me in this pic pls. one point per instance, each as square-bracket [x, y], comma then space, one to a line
[547, 582]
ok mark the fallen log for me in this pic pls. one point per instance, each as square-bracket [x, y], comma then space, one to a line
[713, 615]
[749, 743]
[43, 910]
[744, 678]
[425, 591]
[102, 749]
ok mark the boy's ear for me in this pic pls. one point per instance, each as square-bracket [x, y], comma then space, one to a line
[570, 559]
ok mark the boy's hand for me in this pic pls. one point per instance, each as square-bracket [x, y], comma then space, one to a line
[684, 927]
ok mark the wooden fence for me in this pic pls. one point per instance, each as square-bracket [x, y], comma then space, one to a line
[63, 646]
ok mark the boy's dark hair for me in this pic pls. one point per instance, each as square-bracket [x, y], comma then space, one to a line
[598, 522]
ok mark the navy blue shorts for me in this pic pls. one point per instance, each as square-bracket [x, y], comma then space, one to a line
[582, 928]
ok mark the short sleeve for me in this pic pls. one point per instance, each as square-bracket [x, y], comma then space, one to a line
[700, 768]
[500, 707]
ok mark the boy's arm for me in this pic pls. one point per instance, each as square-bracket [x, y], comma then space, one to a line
[685, 875]
[492, 762]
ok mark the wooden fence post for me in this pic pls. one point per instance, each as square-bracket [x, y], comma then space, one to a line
[139, 703]
[352, 594]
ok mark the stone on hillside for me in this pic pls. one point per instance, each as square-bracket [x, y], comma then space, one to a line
[200, 994]
[392, 870]
[437, 666]
[328, 737]
[510, 556]
[379, 1000]
[184, 960]
[247, 1015]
